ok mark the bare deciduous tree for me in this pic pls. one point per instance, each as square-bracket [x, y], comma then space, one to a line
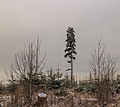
[102, 67]
[28, 66]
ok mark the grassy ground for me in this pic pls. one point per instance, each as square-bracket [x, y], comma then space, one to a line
[73, 99]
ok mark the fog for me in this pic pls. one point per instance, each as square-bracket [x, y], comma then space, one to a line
[23, 20]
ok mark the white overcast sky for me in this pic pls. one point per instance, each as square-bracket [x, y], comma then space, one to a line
[22, 20]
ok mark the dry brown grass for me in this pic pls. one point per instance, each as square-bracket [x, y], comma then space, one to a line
[73, 99]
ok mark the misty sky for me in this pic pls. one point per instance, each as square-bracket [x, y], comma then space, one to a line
[22, 20]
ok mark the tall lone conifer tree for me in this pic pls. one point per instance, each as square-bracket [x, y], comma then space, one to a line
[70, 50]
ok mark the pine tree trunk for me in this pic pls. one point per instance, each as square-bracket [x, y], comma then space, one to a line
[71, 71]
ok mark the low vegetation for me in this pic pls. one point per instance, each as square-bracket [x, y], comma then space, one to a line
[27, 78]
